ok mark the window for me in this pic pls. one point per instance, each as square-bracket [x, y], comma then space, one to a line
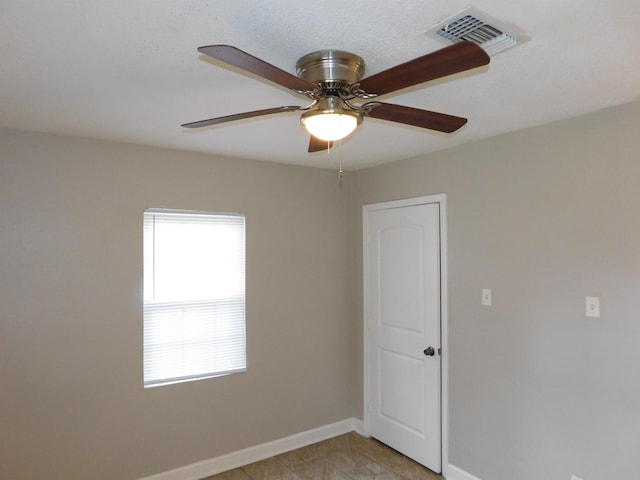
[194, 296]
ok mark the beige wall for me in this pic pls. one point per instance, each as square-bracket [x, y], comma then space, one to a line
[72, 402]
[543, 217]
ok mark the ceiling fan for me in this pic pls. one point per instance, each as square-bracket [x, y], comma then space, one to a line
[332, 80]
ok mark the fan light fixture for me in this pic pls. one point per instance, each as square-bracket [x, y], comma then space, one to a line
[330, 121]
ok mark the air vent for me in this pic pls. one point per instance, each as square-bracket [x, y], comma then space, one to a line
[477, 27]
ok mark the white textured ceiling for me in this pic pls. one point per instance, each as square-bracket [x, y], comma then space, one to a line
[129, 71]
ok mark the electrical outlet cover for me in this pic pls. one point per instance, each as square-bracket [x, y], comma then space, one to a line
[486, 297]
[592, 310]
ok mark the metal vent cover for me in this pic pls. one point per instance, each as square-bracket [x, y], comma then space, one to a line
[475, 26]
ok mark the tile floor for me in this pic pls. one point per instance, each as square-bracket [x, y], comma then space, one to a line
[347, 457]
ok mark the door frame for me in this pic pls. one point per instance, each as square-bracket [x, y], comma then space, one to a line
[441, 199]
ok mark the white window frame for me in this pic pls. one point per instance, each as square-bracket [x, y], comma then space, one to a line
[194, 295]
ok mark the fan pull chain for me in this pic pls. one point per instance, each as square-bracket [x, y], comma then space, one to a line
[340, 172]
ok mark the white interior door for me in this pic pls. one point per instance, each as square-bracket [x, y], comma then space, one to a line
[403, 329]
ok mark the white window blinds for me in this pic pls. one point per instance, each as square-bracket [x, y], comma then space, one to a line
[194, 296]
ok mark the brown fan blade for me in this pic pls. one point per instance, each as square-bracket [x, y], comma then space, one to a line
[415, 116]
[240, 116]
[317, 145]
[446, 61]
[251, 64]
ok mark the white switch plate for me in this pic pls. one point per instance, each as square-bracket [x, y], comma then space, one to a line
[486, 297]
[592, 310]
[573, 477]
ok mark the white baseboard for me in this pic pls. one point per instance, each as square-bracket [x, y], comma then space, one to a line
[455, 473]
[216, 465]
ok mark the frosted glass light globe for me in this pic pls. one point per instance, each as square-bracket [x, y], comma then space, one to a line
[330, 126]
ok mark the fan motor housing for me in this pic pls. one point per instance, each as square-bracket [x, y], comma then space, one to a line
[331, 67]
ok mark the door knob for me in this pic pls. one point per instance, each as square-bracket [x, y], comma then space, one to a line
[429, 351]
